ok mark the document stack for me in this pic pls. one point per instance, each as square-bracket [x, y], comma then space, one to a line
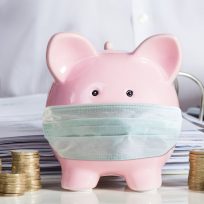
[192, 137]
[21, 128]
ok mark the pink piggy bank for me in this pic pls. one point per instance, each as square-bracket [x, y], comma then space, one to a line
[84, 76]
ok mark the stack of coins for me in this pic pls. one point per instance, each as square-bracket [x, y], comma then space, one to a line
[28, 162]
[12, 184]
[196, 172]
[0, 166]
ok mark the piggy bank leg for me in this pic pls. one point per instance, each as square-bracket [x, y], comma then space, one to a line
[145, 174]
[144, 179]
[76, 176]
[76, 179]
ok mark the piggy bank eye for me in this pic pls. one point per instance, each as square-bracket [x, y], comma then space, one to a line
[129, 93]
[95, 92]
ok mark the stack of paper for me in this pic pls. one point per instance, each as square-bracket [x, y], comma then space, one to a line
[21, 128]
[192, 137]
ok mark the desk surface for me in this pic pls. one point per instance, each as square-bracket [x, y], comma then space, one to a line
[110, 190]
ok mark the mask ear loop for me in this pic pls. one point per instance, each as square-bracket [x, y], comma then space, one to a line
[199, 83]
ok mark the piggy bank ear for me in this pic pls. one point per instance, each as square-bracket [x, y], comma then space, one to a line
[64, 51]
[163, 50]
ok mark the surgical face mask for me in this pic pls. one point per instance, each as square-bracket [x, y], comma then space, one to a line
[113, 131]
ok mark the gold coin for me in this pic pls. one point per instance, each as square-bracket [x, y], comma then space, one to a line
[33, 186]
[196, 171]
[197, 179]
[192, 179]
[25, 157]
[34, 175]
[32, 189]
[34, 166]
[197, 151]
[26, 169]
[6, 190]
[196, 186]
[195, 182]
[23, 160]
[33, 179]
[196, 189]
[11, 194]
[195, 162]
[12, 185]
[12, 179]
[16, 189]
[34, 182]
[196, 155]
[25, 152]
[11, 175]
[23, 183]
[27, 162]
[197, 166]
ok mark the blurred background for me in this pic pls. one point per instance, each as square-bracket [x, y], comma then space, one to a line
[27, 25]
